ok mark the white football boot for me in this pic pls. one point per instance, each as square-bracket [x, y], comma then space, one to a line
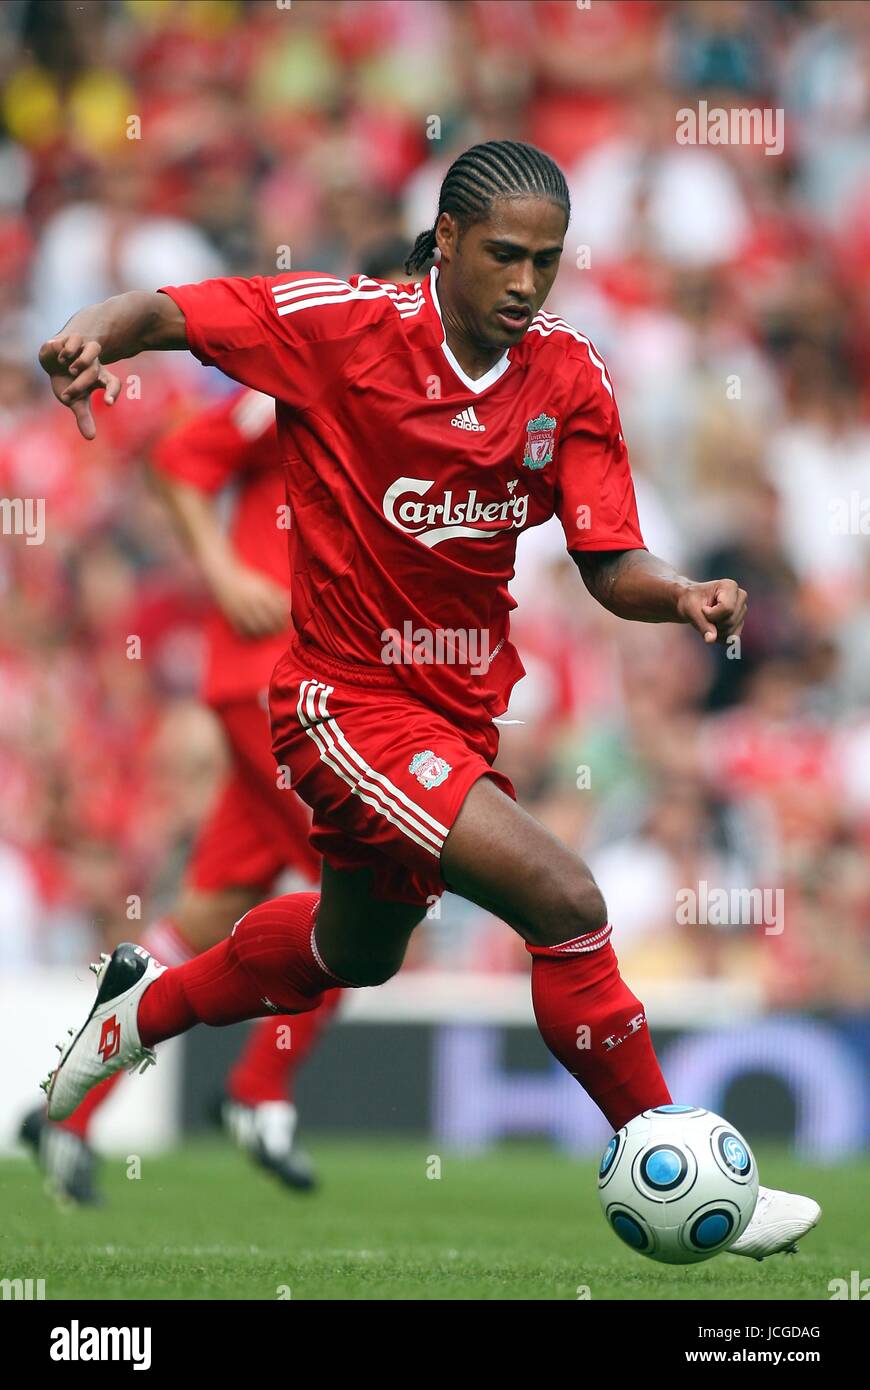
[109, 1038]
[779, 1220]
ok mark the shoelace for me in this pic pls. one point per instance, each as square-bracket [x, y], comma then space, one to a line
[146, 1057]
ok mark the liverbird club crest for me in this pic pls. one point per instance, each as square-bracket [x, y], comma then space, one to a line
[429, 771]
[540, 441]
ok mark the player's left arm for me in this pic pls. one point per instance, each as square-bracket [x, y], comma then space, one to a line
[596, 504]
[637, 585]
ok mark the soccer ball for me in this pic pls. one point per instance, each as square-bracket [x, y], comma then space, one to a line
[678, 1184]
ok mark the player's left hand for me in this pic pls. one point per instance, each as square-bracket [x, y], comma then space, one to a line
[716, 608]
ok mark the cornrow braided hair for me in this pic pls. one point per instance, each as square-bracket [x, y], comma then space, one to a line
[496, 169]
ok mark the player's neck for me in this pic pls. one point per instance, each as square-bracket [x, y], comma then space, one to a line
[475, 359]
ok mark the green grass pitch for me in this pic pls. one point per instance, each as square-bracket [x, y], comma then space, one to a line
[521, 1223]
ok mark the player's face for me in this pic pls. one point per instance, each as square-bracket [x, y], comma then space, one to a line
[498, 273]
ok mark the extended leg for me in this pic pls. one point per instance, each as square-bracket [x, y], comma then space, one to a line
[500, 857]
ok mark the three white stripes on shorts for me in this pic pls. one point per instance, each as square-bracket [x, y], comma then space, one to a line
[371, 787]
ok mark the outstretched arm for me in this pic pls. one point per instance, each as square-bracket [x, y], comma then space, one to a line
[637, 585]
[118, 328]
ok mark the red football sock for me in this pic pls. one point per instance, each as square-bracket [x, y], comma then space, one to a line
[166, 942]
[594, 1025]
[268, 965]
[274, 1052]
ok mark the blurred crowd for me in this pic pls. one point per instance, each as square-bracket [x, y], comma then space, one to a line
[145, 142]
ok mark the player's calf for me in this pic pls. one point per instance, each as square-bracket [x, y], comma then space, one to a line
[268, 965]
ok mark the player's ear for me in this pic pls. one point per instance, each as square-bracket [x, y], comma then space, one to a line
[446, 234]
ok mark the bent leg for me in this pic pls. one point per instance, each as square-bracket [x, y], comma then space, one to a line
[275, 963]
[266, 966]
[265, 1069]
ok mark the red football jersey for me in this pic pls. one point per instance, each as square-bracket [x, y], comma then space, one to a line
[408, 481]
[234, 445]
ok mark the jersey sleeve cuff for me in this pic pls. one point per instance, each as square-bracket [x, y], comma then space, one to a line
[179, 293]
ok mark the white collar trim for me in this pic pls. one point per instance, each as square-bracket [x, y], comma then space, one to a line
[481, 383]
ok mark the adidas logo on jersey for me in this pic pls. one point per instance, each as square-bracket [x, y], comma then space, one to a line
[467, 420]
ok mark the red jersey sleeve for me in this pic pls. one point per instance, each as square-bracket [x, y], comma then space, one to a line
[235, 436]
[287, 335]
[595, 499]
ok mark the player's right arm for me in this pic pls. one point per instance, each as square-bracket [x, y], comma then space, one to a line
[288, 336]
[75, 358]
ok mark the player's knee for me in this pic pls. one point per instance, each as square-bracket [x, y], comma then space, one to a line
[361, 965]
[588, 908]
[570, 909]
[365, 973]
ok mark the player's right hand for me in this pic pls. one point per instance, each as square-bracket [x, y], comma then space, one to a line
[252, 602]
[75, 370]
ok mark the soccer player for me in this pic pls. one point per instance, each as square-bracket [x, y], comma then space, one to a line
[421, 428]
[256, 828]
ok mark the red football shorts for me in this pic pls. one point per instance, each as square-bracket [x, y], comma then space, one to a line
[256, 828]
[384, 774]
